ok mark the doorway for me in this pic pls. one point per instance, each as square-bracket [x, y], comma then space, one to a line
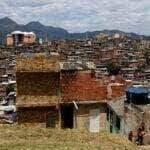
[67, 112]
[94, 120]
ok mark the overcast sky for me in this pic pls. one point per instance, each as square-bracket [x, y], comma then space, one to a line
[82, 15]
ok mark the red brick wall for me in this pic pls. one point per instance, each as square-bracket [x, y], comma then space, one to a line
[117, 91]
[81, 86]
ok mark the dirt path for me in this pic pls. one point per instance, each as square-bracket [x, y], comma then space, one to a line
[144, 147]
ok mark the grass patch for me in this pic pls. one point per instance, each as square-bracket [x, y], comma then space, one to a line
[37, 137]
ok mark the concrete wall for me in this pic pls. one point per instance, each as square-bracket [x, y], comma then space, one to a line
[82, 116]
[134, 115]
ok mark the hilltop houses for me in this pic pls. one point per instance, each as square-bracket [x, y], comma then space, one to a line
[20, 38]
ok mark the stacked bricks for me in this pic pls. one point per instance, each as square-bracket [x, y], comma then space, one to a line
[37, 83]
[81, 86]
[117, 90]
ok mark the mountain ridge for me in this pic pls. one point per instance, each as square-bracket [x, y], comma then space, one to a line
[7, 26]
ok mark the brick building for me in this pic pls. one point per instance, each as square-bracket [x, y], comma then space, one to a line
[80, 89]
[84, 100]
[20, 38]
[67, 97]
[38, 78]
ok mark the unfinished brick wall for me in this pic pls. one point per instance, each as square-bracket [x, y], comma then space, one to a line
[36, 114]
[37, 83]
[117, 91]
[37, 62]
[37, 88]
[81, 86]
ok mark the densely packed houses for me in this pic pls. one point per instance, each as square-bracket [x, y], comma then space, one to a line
[77, 83]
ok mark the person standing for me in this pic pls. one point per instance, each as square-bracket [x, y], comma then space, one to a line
[130, 137]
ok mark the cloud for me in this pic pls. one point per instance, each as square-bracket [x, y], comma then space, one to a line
[82, 15]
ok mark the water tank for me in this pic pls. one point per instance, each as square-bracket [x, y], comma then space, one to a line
[138, 95]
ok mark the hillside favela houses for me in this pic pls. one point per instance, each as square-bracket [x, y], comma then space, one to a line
[20, 38]
[69, 83]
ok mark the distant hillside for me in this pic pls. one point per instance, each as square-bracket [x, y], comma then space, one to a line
[53, 33]
[6, 26]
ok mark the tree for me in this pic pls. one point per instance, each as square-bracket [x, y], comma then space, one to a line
[113, 68]
[9, 88]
